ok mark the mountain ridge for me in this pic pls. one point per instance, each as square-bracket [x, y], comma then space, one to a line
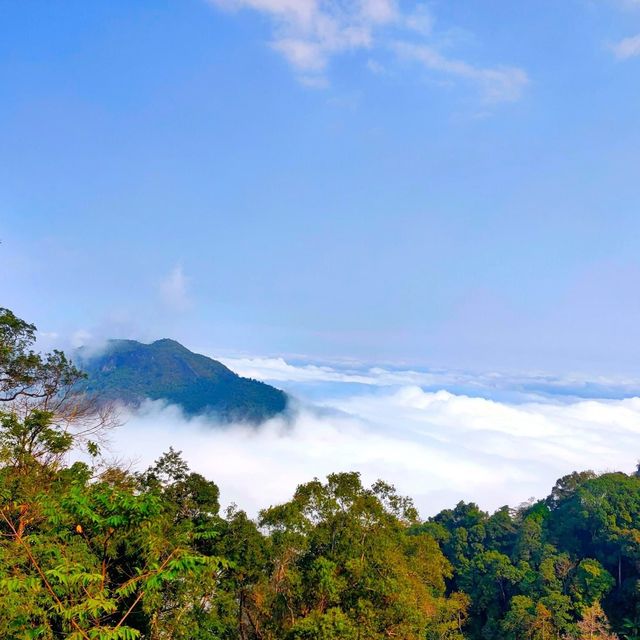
[130, 372]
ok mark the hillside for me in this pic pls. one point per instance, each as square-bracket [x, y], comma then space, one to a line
[131, 371]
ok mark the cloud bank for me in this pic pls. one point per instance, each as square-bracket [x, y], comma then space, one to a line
[438, 447]
[517, 387]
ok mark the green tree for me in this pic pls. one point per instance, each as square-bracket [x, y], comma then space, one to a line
[87, 552]
[591, 583]
[341, 546]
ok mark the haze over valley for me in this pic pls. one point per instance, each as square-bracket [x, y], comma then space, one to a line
[494, 438]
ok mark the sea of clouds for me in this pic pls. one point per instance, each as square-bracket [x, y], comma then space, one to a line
[440, 437]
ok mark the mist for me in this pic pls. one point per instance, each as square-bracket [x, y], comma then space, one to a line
[438, 447]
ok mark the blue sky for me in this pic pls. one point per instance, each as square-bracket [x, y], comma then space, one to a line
[451, 184]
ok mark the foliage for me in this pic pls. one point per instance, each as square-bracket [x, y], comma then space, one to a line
[25, 374]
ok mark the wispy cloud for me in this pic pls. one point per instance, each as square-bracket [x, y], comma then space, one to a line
[375, 67]
[419, 20]
[174, 290]
[310, 33]
[627, 47]
[497, 84]
[628, 4]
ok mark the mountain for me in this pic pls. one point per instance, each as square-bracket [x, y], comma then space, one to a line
[130, 371]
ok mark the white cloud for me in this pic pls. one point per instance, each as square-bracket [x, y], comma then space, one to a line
[627, 47]
[81, 338]
[379, 11]
[309, 33]
[520, 386]
[420, 20]
[279, 370]
[375, 67]
[437, 447]
[174, 290]
[498, 84]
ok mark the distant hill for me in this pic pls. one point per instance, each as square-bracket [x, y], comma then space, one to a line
[130, 371]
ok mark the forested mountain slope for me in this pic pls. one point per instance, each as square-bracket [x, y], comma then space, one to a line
[130, 371]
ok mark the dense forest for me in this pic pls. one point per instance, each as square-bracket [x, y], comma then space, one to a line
[94, 550]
